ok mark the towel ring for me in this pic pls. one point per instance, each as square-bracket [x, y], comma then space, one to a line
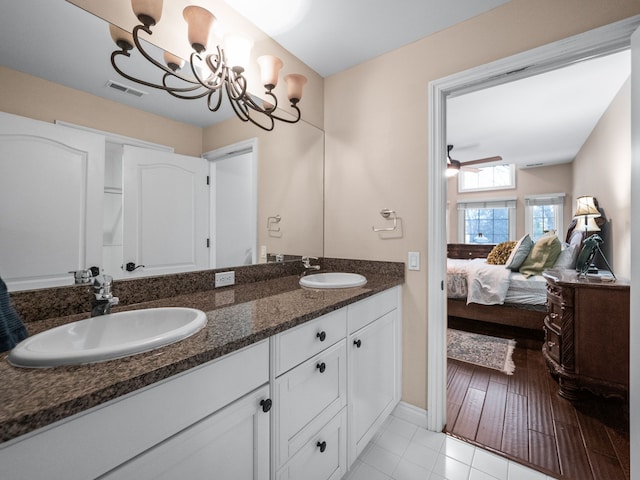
[271, 221]
[386, 213]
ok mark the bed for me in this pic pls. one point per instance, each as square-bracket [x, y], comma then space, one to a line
[504, 297]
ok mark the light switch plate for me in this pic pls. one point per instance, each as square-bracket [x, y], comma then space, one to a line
[414, 261]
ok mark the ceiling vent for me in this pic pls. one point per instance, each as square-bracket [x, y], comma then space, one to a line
[124, 89]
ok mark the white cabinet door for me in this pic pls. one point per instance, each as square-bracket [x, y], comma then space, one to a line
[374, 378]
[165, 212]
[230, 444]
[51, 197]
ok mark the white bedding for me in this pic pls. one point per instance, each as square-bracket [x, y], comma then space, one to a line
[479, 282]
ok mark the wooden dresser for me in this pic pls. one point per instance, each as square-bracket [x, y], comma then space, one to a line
[587, 334]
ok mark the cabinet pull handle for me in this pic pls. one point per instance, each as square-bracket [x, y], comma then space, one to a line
[321, 366]
[321, 335]
[553, 315]
[322, 446]
[357, 343]
[266, 404]
[551, 344]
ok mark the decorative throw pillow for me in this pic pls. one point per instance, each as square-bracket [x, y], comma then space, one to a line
[519, 253]
[500, 253]
[567, 257]
[543, 255]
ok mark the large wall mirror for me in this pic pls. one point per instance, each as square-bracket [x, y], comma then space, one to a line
[280, 190]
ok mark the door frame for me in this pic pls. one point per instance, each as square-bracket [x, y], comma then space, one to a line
[242, 147]
[600, 41]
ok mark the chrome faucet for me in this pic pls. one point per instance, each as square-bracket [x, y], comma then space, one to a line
[104, 299]
[306, 263]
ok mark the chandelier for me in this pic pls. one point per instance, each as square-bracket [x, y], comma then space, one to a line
[212, 73]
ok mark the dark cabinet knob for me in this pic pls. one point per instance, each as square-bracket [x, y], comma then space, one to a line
[266, 404]
[322, 336]
[357, 343]
[322, 446]
[321, 366]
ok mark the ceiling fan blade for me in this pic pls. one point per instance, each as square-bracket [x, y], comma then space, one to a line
[479, 161]
[468, 168]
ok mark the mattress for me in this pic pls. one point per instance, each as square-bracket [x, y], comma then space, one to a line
[521, 291]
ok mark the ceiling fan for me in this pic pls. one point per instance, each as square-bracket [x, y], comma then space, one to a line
[454, 166]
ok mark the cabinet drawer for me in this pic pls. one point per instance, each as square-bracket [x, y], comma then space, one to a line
[306, 397]
[552, 343]
[296, 345]
[324, 457]
[554, 315]
[366, 311]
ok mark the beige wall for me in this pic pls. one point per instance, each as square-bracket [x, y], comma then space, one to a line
[376, 140]
[602, 169]
[40, 99]
[529, 181]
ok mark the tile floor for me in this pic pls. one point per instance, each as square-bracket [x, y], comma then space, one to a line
[404, 451]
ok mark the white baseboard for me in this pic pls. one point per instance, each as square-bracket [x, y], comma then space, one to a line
[411, 413]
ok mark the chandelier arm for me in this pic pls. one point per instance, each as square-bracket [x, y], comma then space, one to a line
[287, 120]
[178, 92]
[149, 58]
[238, 104]
[218, 102]
[218, 70]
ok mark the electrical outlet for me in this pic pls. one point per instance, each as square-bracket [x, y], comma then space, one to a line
[224, 279]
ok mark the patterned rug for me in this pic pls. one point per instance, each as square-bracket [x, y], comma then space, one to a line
[491, 352]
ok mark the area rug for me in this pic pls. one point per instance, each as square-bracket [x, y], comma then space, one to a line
[483, 350]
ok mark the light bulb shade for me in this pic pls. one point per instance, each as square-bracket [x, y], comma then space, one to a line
[295, 84]
[269, 70]
[237, 50]
[121, 37]
[199, 21]
[453, 167]
[586, 223]
[147, 11]
[173, 62]
[585, 205]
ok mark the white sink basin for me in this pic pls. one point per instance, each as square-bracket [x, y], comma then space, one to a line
[107, 337]
[333, 280]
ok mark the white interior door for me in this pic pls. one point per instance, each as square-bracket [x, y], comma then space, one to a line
[51, 194]
[165, 212]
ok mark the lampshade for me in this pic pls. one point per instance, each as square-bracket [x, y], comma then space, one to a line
[295, 83]
[269, 70]
[173, 62]
[585, 205]
[589, 226]
[237, 48]
[200, 22]
[147, 11]
[121, 37]
[453, 167]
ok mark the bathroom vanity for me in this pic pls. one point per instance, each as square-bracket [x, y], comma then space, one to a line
[282, 383]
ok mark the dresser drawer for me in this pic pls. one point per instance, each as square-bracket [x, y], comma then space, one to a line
[324, 456]
[552, 342]
[306, 397]
[296, 345]
[554, 315]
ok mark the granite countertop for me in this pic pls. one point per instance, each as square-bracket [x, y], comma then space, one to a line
[236, 317]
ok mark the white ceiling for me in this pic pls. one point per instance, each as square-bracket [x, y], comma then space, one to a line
[58, 41]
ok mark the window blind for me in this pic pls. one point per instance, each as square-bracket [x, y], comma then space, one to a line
[499, 203]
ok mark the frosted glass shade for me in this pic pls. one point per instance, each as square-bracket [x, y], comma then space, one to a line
[295, 84]
[121, 37]
[199, 21]
[173, 62]
[237, 50]
[147, 11]
[269, 70]
[585, 205]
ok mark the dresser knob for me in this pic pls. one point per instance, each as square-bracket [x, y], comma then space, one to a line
[322, 446]
[551, 344]
[321, 366]
[357, 343]
[321, 335]
[266, 404]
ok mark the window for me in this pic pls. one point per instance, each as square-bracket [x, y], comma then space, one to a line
[499, 177]
[487, 221]
[544, 213]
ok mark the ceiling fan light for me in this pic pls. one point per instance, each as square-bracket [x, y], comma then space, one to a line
[147, 11]
[269, 70]
[453, 167]
[199, 21]
[122, 38]
[295, 84]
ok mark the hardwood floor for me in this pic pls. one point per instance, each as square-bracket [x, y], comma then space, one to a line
[522, 417]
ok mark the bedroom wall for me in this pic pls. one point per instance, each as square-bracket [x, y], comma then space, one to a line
[376, 128]
[33, 97]
[529, 181]
[607, 151]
